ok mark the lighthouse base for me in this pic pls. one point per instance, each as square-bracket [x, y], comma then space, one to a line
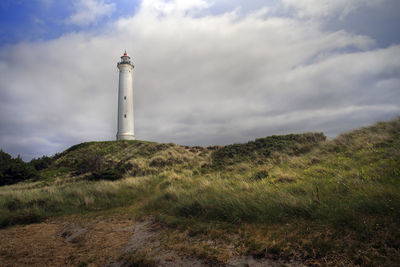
[126, 137]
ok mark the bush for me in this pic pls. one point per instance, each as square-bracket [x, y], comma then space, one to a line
[5, 160]
[15, 170]
[164, 161]
[41, 163]
[91, 162]
[124, 167]
[291, 144]
[111, 174]
[158, 162]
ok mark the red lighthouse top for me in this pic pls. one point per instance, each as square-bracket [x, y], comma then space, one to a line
[125, 59]
[125, 56]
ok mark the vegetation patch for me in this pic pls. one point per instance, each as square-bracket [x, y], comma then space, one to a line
[291, 144]
[14, 170]
[295, 197]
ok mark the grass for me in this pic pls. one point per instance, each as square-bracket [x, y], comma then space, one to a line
[138, 259]
[295, 196]
[21, 204]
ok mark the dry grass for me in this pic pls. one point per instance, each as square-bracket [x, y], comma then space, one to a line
[333, 202]
[47, 244]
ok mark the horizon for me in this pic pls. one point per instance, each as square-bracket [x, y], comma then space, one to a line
[206, 72]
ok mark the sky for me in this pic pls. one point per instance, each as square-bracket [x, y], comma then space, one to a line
[207, 72]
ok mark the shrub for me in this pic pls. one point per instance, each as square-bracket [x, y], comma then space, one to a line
[111, 174]
[158, 162]
[15, 170]
[165, 160]
[5, 161]
[41, 163]
[91, 162]
[124, 167]
[291, 144]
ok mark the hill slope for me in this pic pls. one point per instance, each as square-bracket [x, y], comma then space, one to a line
[291, 197]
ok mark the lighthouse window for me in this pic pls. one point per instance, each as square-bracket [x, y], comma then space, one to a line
[124, 115]
[125, 97]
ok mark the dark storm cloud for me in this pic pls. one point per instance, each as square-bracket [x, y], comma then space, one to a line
[379, 22]
[199, 79]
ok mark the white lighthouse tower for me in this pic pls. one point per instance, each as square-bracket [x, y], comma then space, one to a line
[125, 99]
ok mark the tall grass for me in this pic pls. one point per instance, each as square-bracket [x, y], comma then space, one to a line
[244, 200]
[22, 204]
[344, 188]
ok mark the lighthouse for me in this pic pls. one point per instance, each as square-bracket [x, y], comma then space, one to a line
[125, 99]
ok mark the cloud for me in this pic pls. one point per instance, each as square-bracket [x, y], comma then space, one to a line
[199, 79]
[173, 8]
[325, 8]
[90, 11]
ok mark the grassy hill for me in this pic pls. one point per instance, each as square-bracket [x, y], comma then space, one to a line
[293, 197]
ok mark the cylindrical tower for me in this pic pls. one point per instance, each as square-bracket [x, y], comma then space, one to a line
[125, 99]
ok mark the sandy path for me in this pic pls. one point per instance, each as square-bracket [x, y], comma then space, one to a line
[108, 242]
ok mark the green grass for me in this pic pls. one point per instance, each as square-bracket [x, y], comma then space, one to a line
[21, 204]
[296, 196]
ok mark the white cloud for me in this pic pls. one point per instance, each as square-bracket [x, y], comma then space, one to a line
[198, 80]
[90, 11]
[175, 8]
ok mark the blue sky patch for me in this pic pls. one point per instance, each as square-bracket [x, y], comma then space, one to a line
[30, 20]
